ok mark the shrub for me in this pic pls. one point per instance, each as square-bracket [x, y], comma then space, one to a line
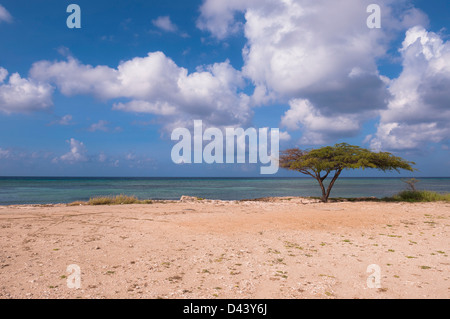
[104, 200]
[77, 203]
[124, 199]
[114, 200]
[421, 196]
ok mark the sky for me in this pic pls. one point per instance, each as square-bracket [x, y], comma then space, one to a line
[104, 99]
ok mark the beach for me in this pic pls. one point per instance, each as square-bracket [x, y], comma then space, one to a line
[284, 248]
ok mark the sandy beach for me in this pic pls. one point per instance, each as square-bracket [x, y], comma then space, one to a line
[279, 248]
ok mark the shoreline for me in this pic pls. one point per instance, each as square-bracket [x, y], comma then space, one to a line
[66, 190]
[205, 249]
[185, 198]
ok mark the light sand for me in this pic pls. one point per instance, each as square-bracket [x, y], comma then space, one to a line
[213, 249]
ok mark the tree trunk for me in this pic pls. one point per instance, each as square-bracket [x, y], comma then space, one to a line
[324, 193]
[335, 177]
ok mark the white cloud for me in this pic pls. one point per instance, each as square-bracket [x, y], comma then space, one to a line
[164, 23]
[72, 77]
[419, 111]
[395, 136]
[65, 120]
[21, 95]
[5, 16]
[284, 136]
[317, 128]
[155, 84]
[318, 56]
[159, 107]
[102, 157]
[3, 74]
[4, 153]
[77, 153]
[99, 126]
[219, 16]
[320, 51]
[307, 58]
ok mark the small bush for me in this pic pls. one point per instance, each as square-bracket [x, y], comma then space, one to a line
[421, 196]
[123, 199]
[106, 200]
[114, 200]
[77, 203]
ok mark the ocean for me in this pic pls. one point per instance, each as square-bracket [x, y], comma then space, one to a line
[52, 190]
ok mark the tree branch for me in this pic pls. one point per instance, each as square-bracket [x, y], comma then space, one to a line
[335, 177]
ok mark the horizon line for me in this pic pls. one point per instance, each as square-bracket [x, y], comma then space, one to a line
[225, 177]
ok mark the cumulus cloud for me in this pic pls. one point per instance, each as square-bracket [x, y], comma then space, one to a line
[419, 111]
[164, 23]
[72, 77]
[318, 128]
[317, 51]
[219, 17]
[155, 84]
[222, 17]
[284, 136]
[292, 55]
[64, 120]
[102, 157]
[319, 57]
[3, 74]
[20, 95]
[139, 106]
[4, 153]
[77, 153]
[5, 16]
[332, 64]
[99, 126]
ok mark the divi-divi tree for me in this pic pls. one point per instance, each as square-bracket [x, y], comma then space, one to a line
[332, 160]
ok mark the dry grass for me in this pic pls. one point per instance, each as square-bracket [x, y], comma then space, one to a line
[77, 203]
[112, 200]
[421, 196]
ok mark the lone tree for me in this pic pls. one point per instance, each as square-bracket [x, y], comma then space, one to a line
[411, 184]
[321, 162]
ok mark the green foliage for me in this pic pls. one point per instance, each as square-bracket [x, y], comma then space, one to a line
[319, 163]
[421, 196]
[339, 157]
[411, 183]
[117, 200]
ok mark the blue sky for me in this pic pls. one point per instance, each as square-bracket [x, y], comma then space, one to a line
[103, 100]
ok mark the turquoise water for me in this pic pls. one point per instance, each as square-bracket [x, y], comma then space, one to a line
[47, 190]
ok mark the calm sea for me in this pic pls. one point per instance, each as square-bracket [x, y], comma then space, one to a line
[46, 190]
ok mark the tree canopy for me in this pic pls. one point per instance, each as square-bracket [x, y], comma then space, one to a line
[320, 163]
